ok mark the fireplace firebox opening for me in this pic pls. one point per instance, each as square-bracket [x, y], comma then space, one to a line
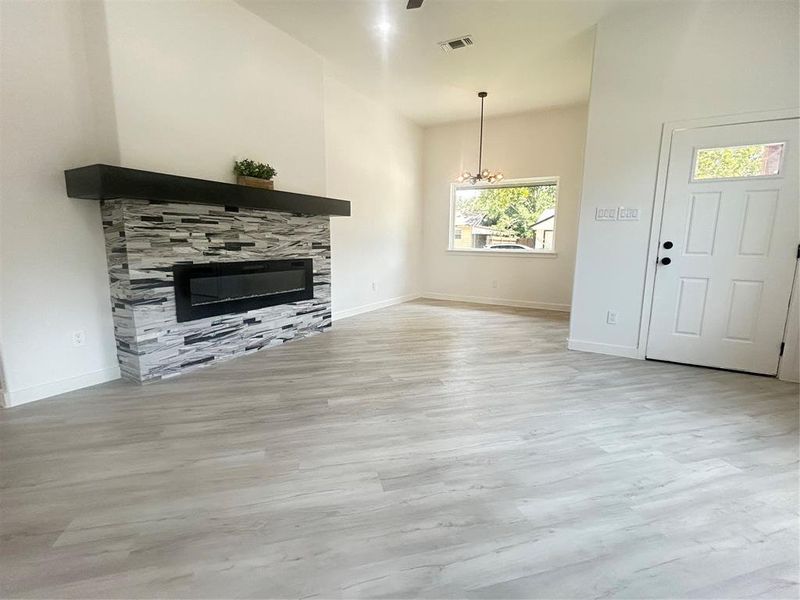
[206, 290]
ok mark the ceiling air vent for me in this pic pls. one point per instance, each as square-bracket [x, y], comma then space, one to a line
[458, 43]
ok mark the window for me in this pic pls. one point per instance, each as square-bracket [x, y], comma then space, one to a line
[736, 162]
[518, 216]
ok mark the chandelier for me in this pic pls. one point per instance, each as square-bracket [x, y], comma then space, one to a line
[482, 174]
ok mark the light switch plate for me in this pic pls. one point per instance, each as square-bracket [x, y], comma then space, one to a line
[605, 214]
[627, 214]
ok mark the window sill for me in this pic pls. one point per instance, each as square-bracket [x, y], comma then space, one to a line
[517, 253]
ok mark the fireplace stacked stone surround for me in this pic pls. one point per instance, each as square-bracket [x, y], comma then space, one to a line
[145, 238]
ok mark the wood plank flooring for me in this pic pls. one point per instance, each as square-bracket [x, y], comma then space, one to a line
[430, 450]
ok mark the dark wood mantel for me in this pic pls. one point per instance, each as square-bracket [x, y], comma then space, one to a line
[105, 182]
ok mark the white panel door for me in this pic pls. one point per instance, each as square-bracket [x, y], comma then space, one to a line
[728, 246]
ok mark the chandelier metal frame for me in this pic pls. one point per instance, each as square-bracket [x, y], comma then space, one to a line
[482, 174]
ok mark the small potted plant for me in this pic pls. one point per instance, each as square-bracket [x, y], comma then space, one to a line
[255, 174]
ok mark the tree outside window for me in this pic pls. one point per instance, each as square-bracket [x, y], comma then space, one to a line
[517, 217]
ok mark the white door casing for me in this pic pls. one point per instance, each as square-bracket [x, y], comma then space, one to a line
[723, 300]
[789, 367]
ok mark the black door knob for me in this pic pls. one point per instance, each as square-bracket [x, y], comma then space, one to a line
[668, 245]
[666, 260]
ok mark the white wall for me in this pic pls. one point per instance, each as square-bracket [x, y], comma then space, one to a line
[654, 63]
[536, 144]
[54, 278]
[178, 87]
[373, 158]
[199, 83]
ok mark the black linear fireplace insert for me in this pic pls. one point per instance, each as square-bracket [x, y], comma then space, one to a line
[206, 290]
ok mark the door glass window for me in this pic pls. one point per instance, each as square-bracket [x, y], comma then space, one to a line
[738, 162]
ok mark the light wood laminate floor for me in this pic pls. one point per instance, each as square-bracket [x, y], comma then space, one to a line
[427, 450]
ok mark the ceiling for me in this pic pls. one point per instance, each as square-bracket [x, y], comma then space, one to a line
[528, 54]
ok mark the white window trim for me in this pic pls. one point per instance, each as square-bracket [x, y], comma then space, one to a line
[526, 182]
[506, 253]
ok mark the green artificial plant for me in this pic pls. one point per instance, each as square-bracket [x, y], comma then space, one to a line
[250, 168]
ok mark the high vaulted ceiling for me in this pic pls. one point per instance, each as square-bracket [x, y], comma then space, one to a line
[528, 54]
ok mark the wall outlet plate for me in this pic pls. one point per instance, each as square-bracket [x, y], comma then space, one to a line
[611, 317]
[605, 214]
[78, 338]
[627, 214]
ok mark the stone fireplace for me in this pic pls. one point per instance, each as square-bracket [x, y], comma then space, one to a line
[253, 250]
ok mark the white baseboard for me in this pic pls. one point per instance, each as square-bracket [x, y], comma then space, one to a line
[597, 348]
[498, 301]
[53, 388]
[351, 312]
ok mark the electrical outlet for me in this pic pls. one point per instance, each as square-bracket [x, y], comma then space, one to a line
[374, 287]
[78, 338]
[611, 317]
[494, 283]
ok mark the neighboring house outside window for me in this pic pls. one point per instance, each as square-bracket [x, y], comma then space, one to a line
[544, 229]
[515, 216]
[469, 233]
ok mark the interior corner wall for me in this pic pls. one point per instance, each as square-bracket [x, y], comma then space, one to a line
[535, 144]
[655, 63]
[374, 159]
[177, 87]
[227, 83]
[53, 279]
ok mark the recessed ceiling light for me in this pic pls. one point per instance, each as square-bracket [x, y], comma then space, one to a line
[383, 27]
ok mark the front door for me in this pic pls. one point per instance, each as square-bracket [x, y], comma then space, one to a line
[727, 247]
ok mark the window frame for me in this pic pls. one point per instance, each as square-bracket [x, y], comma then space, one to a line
[506, 183]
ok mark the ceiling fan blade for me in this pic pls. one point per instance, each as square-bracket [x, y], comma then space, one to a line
[414, 4]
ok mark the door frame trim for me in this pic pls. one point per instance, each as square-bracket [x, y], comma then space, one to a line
[669, 128]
